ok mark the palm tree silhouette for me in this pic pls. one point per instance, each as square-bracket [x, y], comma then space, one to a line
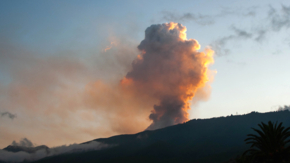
[269, 145]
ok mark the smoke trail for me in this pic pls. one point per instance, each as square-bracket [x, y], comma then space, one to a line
[171, 70]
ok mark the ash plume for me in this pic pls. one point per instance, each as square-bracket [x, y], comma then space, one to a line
[170, 69]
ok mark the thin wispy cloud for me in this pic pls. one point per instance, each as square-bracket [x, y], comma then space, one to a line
[279, 19]
[275, 21]
[238, 34]
[197, 18]
[203, 19]
[8, 114]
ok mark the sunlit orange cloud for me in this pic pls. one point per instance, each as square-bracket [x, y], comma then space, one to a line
[171, 70]
[181, 29]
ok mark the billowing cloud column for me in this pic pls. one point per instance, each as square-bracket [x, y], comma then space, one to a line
[169, 69]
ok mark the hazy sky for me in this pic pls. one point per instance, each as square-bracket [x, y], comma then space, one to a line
[61, 62]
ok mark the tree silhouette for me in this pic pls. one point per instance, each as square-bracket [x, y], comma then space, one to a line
[269, 145]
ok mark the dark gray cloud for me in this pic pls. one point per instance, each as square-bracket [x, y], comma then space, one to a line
[243, 12]
[8, 114]
[276, 20]
[279, 19]
[239, 33]
[202, 19]
[260, 35]
[284, 108]
[219, 44]
[23, 143]
[197, 18]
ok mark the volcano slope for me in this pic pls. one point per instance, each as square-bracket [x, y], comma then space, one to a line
[214, 140]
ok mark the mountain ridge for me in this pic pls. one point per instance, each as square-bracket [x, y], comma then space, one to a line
[213, 140]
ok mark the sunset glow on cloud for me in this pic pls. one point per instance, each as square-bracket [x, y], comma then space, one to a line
[74, 71]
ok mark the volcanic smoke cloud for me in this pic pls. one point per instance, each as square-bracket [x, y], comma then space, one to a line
[169, 69]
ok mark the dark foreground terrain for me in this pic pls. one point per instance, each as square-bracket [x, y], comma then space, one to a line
[214, 140]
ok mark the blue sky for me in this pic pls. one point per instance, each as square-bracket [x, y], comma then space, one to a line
[57, 48]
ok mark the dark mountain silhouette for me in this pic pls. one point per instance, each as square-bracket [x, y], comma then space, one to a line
[12, 148]
[214, 140]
